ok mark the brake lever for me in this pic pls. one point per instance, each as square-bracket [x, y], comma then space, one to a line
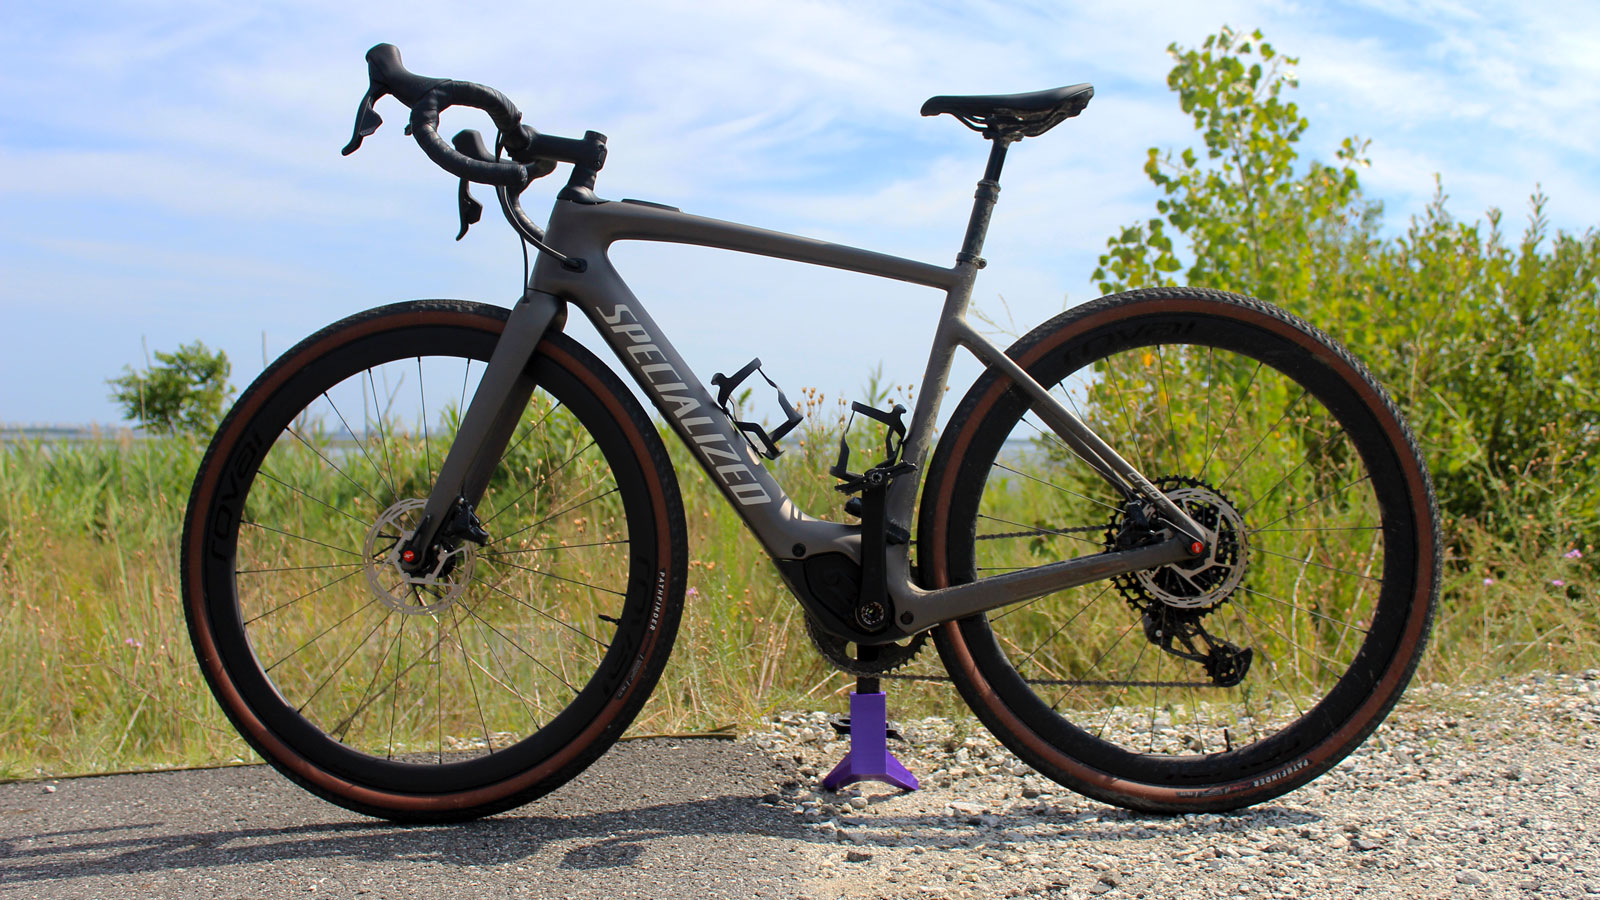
[386, 74]
[469, 143]
[367, 120]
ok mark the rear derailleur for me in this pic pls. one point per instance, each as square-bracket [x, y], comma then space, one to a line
[1225, 662]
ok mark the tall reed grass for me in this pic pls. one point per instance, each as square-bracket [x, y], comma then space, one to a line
[96, 673]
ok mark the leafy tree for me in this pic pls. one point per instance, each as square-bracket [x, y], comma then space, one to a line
[1487, 345]
[185, 390]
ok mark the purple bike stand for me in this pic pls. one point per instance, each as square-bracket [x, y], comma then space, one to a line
[869, 758]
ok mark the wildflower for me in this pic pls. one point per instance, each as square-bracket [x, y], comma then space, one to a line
[1488, 581]
[1558, 582]
[1573, 554]
[133, 643]
[693, 592]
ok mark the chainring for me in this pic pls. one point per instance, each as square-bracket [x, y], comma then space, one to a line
[836, 650]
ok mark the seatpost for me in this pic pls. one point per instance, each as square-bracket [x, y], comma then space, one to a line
[983, 203]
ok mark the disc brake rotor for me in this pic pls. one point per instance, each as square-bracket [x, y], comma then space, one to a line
[1200, 585]
[413, 593]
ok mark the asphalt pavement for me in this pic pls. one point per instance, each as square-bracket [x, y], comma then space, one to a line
[658, 818]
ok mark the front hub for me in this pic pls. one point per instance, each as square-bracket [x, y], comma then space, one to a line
[427, 590]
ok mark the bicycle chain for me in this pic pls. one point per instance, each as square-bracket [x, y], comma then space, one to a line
[1069, 682]
[1082, 529]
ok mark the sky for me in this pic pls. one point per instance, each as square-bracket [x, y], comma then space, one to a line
[170, 171]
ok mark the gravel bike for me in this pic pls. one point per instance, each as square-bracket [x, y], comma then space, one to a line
[1176, 548]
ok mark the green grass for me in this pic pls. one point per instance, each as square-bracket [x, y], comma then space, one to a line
[96, 672]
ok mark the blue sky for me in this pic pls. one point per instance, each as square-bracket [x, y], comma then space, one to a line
[169, 171]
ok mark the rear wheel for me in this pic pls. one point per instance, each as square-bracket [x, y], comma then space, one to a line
[486, 681]
[1202, 686]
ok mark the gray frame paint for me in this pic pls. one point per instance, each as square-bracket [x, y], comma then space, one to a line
[587, 230]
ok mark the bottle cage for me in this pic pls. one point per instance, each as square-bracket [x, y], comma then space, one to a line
[893, 440]
[757, 437]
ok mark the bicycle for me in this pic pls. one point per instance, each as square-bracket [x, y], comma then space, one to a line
[439, 620]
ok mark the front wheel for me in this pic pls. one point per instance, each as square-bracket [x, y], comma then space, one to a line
[477, 684]
[1199, 686]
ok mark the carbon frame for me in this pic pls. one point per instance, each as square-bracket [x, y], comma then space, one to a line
[586, 231]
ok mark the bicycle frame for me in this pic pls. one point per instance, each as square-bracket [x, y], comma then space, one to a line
[586, 231]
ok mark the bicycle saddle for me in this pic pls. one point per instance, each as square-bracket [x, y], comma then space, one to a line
[1015, 116]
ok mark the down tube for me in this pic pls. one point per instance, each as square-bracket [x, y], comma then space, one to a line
[783, 529]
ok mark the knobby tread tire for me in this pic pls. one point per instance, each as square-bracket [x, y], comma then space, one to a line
[1238, 777]
[561, 748]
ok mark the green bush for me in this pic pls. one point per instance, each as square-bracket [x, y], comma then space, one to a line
[185, 390]
[1486, 345]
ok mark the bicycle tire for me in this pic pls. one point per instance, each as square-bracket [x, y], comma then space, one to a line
[500, 675]
[1331, 491]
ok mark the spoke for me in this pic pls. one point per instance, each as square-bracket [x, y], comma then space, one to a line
[383, 436]
[1122, 402]
[318, 636]
[517, 647]
[422, 657]
[1261, 440]
[298, 568]
[394, 698]
[1277, 673]
[505, 682]
[467, 664]
[332, 465]
[1210, 390]
[1275, 485]
[557, 515]
[298, 537]
[1160, 658]
[572, 628]
[1123, 691]
[536, 426]
[340, 665]
[287, 603]
[1166, 392]
[361, 443]
[339, 731]
[1058, 487]
[1298, 608]
[1081, 610]
[422, 400]
[499, 553]
[543, 481]
[270, 477]
[1323, 499]
[1308, 562]
[1333, 665]
[1094, 667]
[1238, 401]
[1272, 662]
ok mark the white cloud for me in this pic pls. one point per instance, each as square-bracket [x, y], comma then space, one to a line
[213, 132]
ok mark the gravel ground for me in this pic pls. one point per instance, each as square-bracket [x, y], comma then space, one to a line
[1487, 791]
[1479, 792]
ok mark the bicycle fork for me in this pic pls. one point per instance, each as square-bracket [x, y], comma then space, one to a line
[450, 514]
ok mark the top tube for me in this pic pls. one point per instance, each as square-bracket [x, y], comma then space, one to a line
[582, 229]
